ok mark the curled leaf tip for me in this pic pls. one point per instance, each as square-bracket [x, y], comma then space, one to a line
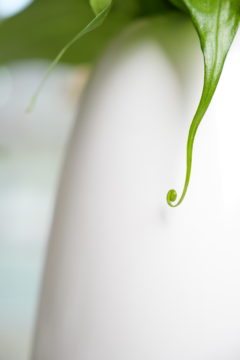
[172, 197]
[216, 23]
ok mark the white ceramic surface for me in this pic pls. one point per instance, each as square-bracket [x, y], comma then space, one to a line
[127, 277]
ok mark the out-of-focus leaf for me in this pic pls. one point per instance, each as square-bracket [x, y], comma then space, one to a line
[46, 26]
[216, 22]
[101, 14]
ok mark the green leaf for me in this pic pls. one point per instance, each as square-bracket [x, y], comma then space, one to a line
[216, 22]
[95, 23]
[47, 25]
[41, 30]
[44, 27]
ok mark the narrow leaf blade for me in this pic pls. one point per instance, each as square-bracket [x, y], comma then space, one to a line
[95, 23]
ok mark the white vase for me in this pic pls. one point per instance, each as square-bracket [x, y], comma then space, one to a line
[127, 277]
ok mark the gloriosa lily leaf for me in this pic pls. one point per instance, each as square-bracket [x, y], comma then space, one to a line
[216, 22]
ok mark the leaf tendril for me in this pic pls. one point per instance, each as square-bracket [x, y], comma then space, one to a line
[216, 23]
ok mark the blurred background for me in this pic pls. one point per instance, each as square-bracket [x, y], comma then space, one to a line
[32, 148]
